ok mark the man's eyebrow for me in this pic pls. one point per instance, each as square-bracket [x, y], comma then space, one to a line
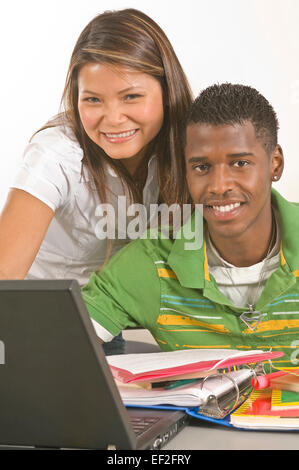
[197, 159]
[240, 154]
[230, 155]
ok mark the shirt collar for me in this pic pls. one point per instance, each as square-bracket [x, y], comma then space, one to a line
[190, 266]
[289, 218]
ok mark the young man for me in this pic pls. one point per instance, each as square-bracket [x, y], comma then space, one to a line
[239, 290]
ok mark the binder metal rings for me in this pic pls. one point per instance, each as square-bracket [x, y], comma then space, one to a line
[213, 406]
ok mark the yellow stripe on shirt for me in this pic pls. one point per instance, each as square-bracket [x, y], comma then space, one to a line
[282, 258]
[162, 272]
[176, 320]
[220, 346]
[273, 325]
[206, 266]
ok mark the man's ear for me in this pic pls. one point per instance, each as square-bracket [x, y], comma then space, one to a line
[277, 163]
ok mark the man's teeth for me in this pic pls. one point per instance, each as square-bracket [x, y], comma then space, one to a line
[118, 136]
[227, 208]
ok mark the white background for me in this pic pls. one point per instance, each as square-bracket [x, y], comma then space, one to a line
[254, 42]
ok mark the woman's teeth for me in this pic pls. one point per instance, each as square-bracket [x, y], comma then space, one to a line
[227, 208]
[118, 136]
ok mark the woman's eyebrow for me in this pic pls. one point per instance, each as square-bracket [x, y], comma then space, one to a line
[124, 90]
[130, 88]
[90, 92]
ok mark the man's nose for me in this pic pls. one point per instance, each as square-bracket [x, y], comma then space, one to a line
[220, 180]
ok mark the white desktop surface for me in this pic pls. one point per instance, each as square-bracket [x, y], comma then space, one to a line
[207, 436]
[202, 435]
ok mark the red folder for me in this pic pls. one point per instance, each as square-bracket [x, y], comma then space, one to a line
[126, 376]
[264, 381]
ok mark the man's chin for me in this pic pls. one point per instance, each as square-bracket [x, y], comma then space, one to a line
[227, 231]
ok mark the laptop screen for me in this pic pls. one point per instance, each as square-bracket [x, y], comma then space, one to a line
[56, 389]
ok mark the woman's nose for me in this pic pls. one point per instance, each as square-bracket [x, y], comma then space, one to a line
[113, 114]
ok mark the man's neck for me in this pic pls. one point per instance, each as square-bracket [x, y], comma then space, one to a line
[247, 249]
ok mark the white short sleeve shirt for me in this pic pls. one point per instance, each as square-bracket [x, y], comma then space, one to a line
[51, 170]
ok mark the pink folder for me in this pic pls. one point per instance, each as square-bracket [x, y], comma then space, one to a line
[126, 376]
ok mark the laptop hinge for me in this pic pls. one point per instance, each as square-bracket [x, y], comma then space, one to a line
[111, 447]
[47, 447]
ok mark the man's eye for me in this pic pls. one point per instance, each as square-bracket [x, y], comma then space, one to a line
[201, 168]
[241, 163]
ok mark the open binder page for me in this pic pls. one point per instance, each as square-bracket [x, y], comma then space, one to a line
[133, 367]
[196, 394]
[137, 363]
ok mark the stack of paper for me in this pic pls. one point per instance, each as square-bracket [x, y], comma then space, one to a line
[219, 383]
[196, 394]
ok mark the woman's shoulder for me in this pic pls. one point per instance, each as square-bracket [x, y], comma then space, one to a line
[57, 143]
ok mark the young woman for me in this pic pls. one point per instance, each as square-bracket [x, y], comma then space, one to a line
[118, 134]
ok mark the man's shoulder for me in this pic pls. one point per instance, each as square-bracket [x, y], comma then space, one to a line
[151, 246]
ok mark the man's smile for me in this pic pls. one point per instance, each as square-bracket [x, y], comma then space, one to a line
[225, 210]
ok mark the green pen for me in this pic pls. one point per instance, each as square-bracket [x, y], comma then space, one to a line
[180, 383]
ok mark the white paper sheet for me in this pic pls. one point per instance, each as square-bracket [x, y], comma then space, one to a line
[138, 363]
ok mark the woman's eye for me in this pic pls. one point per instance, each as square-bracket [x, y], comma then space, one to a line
[132, 96]
[92, 99]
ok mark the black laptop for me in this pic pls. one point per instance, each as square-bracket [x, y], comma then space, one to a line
[56, 388]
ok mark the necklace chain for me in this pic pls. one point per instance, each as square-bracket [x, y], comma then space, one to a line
[252, 315]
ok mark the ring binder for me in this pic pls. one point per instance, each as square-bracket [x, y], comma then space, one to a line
[218, 386]
[219, 407]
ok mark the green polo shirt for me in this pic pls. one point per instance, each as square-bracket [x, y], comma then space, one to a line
[157, 284]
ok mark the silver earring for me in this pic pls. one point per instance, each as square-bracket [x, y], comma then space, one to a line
[275, 178]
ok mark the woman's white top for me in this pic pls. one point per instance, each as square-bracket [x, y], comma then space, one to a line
[51, 171]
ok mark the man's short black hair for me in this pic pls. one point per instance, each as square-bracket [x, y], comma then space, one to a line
[229, 104]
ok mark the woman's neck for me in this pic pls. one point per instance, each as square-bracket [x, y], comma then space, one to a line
[133, 164]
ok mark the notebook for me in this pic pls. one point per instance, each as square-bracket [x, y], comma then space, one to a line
[286, 382]
[214, 397]
[284, 400]
[57, 390]
[256, 413]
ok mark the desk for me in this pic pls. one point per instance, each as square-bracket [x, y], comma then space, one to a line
[209, 436]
